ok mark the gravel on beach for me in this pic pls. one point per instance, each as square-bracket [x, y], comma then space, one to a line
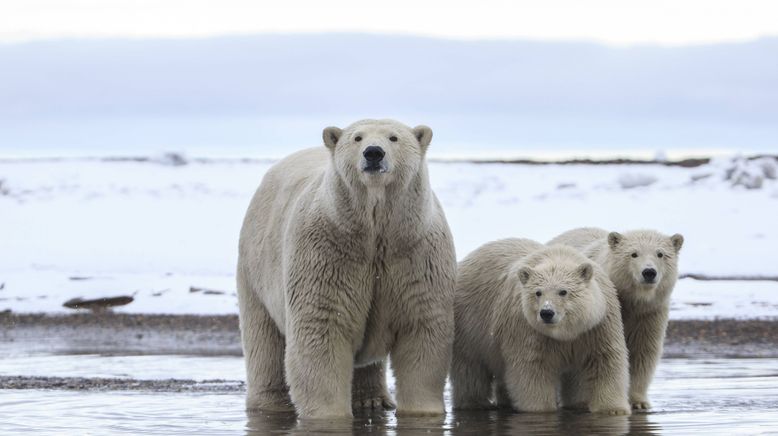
[127, 334]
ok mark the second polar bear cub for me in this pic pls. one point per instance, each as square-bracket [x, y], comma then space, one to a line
[532, 321]
[643, 265]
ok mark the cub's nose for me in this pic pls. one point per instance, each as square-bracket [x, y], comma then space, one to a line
[649, 274]
[373, 154]
[547, 315]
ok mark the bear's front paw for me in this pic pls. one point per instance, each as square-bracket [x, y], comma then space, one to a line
[421, 411]
[641, 404]
[617, 412]
[476, 405]
[269, 401]
[614, 410]
[537, 408]
[373, 402]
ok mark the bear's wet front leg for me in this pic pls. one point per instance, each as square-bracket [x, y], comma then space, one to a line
[645, 337]
[420, 359]
[263, 347]
[607, 372]
[369, 388]
[319, 368]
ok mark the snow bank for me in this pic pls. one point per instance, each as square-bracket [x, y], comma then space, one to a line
[139, 228]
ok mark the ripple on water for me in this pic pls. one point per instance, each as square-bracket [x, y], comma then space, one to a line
[733, 396]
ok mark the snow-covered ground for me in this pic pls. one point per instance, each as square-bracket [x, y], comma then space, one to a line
[95, 228]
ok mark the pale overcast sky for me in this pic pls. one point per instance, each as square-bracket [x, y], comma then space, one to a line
[620, 22]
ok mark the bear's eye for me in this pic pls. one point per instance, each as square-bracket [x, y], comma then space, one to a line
[660, 255]
[357, 138]
[634, 255]
[562, 293]
[538, 293]
[393, 138]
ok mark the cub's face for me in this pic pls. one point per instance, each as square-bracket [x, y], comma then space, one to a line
[560, 300]
[377, 152]
[643, 261]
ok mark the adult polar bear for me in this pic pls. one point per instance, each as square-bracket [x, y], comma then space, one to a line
[345, 257]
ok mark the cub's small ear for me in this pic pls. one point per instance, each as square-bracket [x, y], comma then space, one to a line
[423, 134]
[525, 273]
[677, 240]
[331, 135]
[585, 271]
[614, 239]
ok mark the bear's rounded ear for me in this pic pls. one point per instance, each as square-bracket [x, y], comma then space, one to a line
[585, 271]
[677, 240]
[423, 134]
[614, 239]
[331, 135]
[525, 273]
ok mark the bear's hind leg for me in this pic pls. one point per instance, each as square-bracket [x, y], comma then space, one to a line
[471, 384]
[502, 397]
[574, 389]
[532, 386]
[368, 390]
[263, 349]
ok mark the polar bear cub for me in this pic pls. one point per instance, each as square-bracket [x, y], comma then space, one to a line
[532, 321]
[346, 258]
[643, 265]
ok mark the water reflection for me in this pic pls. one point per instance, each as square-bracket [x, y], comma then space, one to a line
[260, 423]
[721, 396]
[562, 423]
[456, 423]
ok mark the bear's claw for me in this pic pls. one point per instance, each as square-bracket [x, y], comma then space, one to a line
[641, 405]
[378, 402]
[617, 412]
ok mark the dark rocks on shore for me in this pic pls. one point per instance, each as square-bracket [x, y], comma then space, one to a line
[193, 289]
[113, 384]
[98, 304]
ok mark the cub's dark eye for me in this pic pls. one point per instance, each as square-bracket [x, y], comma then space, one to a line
[562, 293]
[538, 293]
[357, 138]
[393, 138]
[634, 255]
[660, 255]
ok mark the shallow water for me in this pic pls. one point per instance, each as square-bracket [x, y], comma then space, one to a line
[717, 396]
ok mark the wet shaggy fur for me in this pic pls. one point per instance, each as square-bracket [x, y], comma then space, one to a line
[503, 349]
[340, 267]
[645, 306]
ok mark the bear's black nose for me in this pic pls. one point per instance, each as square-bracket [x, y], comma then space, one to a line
[546, 315]
[649, 274]
[373, 154]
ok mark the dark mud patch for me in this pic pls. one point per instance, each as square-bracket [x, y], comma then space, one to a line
[120, 384]
[107, 333]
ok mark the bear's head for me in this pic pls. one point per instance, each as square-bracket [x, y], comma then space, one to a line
[560, 296]
[377, 152]
[643, 264]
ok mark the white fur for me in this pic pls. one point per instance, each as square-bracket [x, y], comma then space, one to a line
[645, 306]
[340, 267]
[503, 348]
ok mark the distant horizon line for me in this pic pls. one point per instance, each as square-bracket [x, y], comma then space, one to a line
[5, 41]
